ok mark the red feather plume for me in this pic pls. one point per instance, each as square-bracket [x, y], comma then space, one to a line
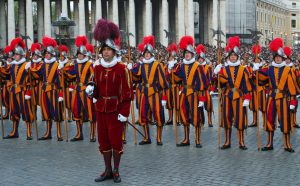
[185, 41]
[105, 29]
[35, 46]
[256, 49]
[47, 41]
[17, 42]
[63, 48]
[141, 47]
[227, 48]
[149, 40]
[7, 49]
[288, 51]
[276, 44]
[234, 42]
[81, 40]
[90, 48]
[200, 48]
[118, 41]
[172, 47]
[114, 31]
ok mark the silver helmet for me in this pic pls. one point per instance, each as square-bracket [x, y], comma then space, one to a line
[280, 52]
[111, 44]
[235, 50]
[82, 50]
[19, 50]
[149, 48]
[191, 49]
[50, 50]
[37, 52]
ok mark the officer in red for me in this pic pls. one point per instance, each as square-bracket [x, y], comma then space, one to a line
[112, 89]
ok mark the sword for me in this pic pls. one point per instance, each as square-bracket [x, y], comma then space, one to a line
[135, 128]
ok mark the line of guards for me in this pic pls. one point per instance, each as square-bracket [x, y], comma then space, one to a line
[184, 87]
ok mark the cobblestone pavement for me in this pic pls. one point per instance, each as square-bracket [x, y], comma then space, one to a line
[78, 163]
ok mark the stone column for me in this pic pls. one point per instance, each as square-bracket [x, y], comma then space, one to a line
[215, 20]
[47, 18]
[58, 9]
[98, 14]
[11, 20]
[115, 12]
[180, 28]
[3, 26]
[189, 17]
[76, 18]
[81, 20]
[164, 24]
[64, 7]
[147, 18]
[22, 17]
[40, 16]
[29, 22]
[131, 22]
[223, 20]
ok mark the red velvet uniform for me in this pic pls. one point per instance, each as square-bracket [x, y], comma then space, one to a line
[113, 92]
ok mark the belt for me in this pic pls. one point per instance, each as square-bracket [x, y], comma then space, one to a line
[108, 97]
[147, 85]
[278, 91]
[17, 85]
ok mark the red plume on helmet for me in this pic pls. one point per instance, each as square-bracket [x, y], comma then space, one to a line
[105, 29]
[7, 49]
[172, 48]
[149, 40]
[81, 40]
[227, 49]
[256, 49]
[234, 42]
[141, 47]
[35, 46]
[118, 41]
[276, 44]
[200, 48]
[63, 48]
[90, 48]
[47, 41]
[185, 41]
[288, 51]
[17, 42]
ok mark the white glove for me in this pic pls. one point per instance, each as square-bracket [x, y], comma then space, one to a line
[163, 102]
[94, 100]
[171, 64]
[298, 96]
[27, 97]
[292, 107]
[27, 66]
[256, 66]
[71, 90]
[89, 90]
[218, 69]
[60, 99]
[122, 118]
[211, 92]
[201, 104]
[246, 103]
[129, 66]
[96, 63]
[60, 66]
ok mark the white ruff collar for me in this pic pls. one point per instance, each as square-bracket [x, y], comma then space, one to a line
[186, 62]
[50, 60]
[173, 61]
[110, 64]
[37, 61]
[64, 61]
[82, 61]
[278, 65]
[149, 60]
[237, 63]
[290, 65]
[119, 59]
[204, 63]
[14, 62]
[8, 63]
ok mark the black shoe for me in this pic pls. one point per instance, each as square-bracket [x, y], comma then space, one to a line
[60, 139]
[198, 145]
[296, 126]
[93, 140]
[289, 150]
[225, 147]
[76, 139]
[124, 141]
[104, 176]
[45, 138]
[29, 138]
[116, 176]
[183, 144]
[253, 125]
[178, 124]
[169, 122]
[145, 142]
[11, 137]
[159, 143]
[267, 148]
[210, 125]
[243, 147]
[69, 121]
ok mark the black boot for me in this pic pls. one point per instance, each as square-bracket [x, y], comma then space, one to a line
[227, 139]
[186, 141]
[107, 174]
[47, 135]
[15, 132]
[116, 175]
[79, 135]
[147, 139]
[117, 158]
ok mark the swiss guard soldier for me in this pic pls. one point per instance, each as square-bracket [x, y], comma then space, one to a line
[153, 81]
[235, 78]
[51, 94]
[191, 99]
[282, 87]
[81, 73]
[112, 89]
[20, 104]
[209, 77]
